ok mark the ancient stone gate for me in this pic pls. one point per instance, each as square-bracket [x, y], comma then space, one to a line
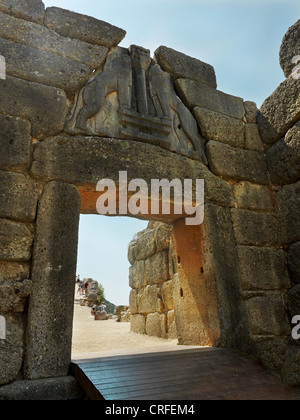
[76, 108]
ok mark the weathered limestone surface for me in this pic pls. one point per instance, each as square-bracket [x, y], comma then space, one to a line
[43, 67]
[196, 94]
[280, 111]
[252, 197]
[237, 164]
[289, 49]
[31, 34]
[47, 112]
[84, 28]
[32, 10]
[262, 268]
[283, 158]
[15, 241]
[49, 329]
[15, 143]
[220, 127]
[15, 286]
[248, 228]
[252, 138]
[180, 65]
[287, 210]
[18, 197]
[290, 372]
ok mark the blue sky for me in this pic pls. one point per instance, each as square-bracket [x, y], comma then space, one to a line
[241, 39]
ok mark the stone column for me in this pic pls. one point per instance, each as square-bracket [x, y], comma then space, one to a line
[50, 316]
[140, 61]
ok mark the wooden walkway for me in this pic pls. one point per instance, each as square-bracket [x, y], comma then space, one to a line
[189, 374]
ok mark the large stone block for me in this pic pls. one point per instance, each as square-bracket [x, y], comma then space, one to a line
[15, 143]
[289, 49]
[86, 160]
[254, 228]
[31, 34]
[237, 164]
[44, 106]
[294, 301]
[157, 268]
[196, 94]
[252, 138]
[252, 197]
[50, 313]
[32, 10]
[44, 67]
[287, 211]
[267, 314]
[149, 300]
[294, 262]
[14, 286]
[137, 275]
[84, 28]
[283, 158]
[280, 111]
[180, 65]
[145, 245]
[11, 349]
[220, 127]
[163, 237]
[156, 325]
[167, 295]
[18, 197]
[15, 241]
[138, 324]
[263, 268]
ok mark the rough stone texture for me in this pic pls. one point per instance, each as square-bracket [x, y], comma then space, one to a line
[196, 94]
[248, 228]
[251, 111]
[180, 65]
[149, 301]
[47, 112]
[262, 268]
[138, 324]
[43, 67]
[252, 138]
[32, 10]
[11, 349]
[290, 372]
[252, 197]
[18, 197]
[280, 111]
[237, 164]
[31, 34]
[84, 28]
[294, 262]
[137, 276]
[145, 245]
[157, 268]
[13, 295]
[219, 127]
[270, 350]
[287, 210]
[85, 160]
[289, 49]
[49, 329]
[283, 158]
[15, 143]
[156, 325]
[53, 389]
[167, 295]
[15, 241]
[268, 315]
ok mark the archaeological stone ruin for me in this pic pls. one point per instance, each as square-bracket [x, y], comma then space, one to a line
[76, 108]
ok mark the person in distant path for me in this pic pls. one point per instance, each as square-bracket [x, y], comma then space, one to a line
[102, 307]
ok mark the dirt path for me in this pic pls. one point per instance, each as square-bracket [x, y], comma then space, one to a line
[90, 336]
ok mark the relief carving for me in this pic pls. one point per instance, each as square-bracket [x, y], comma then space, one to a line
[132, 98]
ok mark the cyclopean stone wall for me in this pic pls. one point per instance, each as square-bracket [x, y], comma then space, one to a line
[76, 108]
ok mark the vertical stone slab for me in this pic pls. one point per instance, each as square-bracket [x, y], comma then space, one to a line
[49, 329]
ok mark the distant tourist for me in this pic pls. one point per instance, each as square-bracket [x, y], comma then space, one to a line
[102, 307]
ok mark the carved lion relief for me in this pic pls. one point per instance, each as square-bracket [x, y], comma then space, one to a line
[132, 98]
